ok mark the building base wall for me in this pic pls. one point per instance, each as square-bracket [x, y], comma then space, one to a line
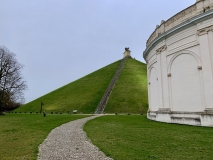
[188, 118]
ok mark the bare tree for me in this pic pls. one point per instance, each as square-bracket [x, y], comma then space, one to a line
[12, 84]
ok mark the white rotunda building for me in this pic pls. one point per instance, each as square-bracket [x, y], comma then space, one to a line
[179, 56]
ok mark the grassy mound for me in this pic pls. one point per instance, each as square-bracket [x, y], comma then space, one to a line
[130, 92]
[136, 137]
[83, 94]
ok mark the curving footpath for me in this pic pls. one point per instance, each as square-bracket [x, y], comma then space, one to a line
[68, 142]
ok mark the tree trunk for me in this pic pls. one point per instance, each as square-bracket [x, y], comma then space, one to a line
[1, 110]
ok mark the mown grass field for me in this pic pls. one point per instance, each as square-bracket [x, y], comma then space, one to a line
[21, 134]
[134, 137]
[83, 94]
[130, 92]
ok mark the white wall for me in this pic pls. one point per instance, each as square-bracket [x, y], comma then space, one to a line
[180, 74]
[185, 84]
[153, 94]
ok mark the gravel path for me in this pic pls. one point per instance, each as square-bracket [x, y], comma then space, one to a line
[68, 142]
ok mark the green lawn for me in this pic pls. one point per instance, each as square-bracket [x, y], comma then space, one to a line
[130, 92]
[134, 137]
[83, 94]
[20, 134]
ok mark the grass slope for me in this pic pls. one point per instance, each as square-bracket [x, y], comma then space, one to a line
[83, 94]
[130, 91]
[22, 133]
[135, 137]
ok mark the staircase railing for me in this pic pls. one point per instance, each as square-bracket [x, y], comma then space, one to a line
[103, 102]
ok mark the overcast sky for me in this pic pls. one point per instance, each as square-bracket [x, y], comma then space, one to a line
[59, 41]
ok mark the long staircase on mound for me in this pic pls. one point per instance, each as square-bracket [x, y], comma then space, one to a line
[103, 102]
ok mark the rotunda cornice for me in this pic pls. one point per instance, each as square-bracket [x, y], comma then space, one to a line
[188, 23]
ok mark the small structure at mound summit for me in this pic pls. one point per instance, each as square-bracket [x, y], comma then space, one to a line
[179, 56]
[127, 53]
